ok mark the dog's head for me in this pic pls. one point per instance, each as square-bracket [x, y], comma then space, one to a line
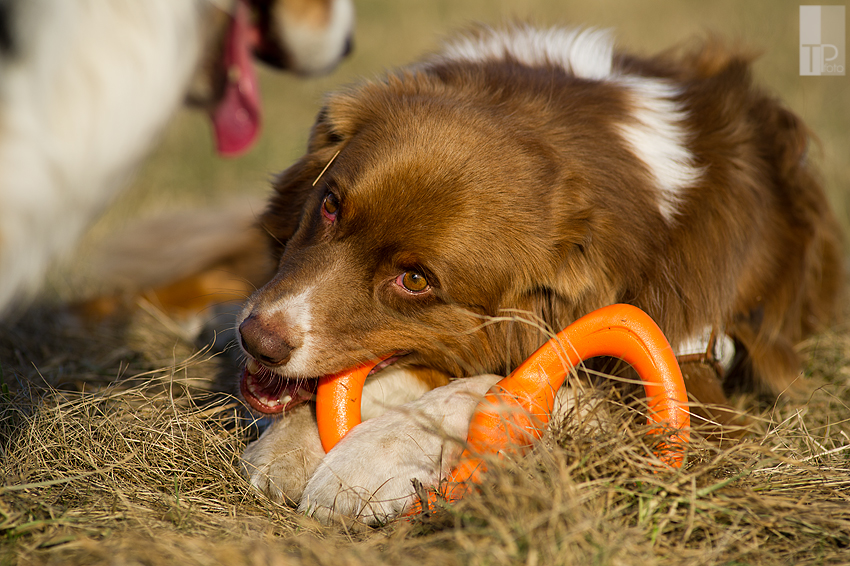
[418, 218]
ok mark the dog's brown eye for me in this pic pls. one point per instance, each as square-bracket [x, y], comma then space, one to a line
[413, 282]
[330, 206]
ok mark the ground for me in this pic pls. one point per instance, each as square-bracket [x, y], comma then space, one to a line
[117, 446]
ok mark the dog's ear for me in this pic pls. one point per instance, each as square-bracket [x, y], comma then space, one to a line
[325, 133]
[343, 115]
[293, 187]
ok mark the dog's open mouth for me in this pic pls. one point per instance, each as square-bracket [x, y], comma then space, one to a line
[269, 393]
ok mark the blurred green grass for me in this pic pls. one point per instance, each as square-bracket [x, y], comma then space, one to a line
[183, 171]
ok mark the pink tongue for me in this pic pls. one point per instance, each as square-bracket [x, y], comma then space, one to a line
[236, 119]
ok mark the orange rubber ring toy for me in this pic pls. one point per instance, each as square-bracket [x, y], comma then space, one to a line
[621, 331]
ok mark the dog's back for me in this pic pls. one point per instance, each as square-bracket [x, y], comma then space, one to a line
[759, 230]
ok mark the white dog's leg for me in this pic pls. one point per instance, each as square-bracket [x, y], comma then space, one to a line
[285, 456]
[368, 474]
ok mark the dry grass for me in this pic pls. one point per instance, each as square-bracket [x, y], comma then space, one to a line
[145, 471]
[100, 468]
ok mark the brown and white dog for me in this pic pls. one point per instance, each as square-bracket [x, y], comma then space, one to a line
[522, 170]
[86, 87]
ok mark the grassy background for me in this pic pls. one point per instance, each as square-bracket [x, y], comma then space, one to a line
[144, 471]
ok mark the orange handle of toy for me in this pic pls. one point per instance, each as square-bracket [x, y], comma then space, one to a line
[338, 399]
[621, 331]
[515, 411]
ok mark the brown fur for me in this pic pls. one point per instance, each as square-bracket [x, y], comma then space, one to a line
[510, 189]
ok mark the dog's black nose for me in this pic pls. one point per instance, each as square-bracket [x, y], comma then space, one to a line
[265, 341]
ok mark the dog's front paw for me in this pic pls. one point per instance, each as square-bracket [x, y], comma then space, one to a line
[368, 475]
[285, 456]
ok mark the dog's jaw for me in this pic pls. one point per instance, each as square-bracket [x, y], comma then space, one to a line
[270, 394]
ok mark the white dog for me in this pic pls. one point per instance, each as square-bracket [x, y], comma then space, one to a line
[87, 86]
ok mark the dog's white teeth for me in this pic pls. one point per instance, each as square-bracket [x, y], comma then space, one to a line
[284, 399]
[252, 366]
